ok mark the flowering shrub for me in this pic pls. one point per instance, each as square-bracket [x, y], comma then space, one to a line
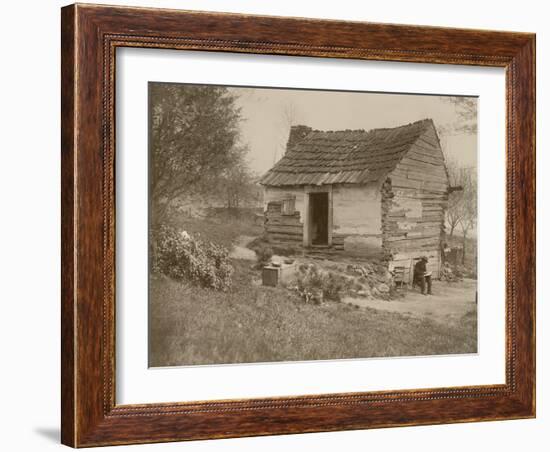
[182, 256]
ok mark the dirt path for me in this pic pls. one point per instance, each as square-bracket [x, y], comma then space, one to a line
[449, 302]
[240, 251]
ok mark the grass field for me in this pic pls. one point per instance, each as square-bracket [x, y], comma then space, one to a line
[253, 323]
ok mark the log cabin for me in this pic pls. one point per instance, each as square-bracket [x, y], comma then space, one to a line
[380, 193]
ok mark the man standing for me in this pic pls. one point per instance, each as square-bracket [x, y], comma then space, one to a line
[422, 276]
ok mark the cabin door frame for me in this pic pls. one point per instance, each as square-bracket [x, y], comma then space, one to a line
[308, 221]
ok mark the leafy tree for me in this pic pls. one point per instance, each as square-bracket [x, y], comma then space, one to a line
[466, 116]
[193, 142]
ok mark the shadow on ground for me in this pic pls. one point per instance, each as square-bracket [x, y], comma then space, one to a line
[52, 434]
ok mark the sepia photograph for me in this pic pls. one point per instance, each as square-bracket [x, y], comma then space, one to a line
[298, 225]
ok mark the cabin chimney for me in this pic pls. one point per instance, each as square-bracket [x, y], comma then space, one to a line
[297, 133]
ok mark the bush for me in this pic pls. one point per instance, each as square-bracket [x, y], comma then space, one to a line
[334, 286]
[182, 256]
[312, 282]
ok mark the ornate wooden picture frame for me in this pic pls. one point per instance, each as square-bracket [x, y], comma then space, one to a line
[90, 37]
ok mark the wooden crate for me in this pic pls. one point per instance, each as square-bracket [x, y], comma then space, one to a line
[274, 275]
[270, 275]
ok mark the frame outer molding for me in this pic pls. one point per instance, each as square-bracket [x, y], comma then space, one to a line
[90, 35]
[68, 297]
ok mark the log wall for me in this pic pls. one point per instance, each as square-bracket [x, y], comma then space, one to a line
[285, 230]
[404, 218]
[414, 202]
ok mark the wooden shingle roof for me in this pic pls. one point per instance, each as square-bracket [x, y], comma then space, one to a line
[347, 156]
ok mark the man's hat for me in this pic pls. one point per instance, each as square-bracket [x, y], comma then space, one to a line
[424, 258]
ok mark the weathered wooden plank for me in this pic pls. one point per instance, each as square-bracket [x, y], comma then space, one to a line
[409, 246]
[420, 176]
[286, 238]
[435, 235]
[426, 150]
[418, 194]
[283, 221]
[396, 241]
[435, 227]
[418, 186]
[279, 217]
[425, 143]
[433, 224]
[412, 245]
[424, 232]
[428, 169]
[432, 210]
[395, 233]
[293, 217]
[402, 182]
[440, 203]
[397, 216]
[424, 214]
[418, 165]
[425, 219]
[418, 154]
[435, 203]
[288, 229]
[415, 161]
[413, 158]
[289, 233]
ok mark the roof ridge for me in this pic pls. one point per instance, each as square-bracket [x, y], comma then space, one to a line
[319, 157]
[425, 120]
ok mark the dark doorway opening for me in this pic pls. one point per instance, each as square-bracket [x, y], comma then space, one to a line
[318, 214]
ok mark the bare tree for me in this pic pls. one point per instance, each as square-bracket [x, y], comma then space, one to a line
[462, 205]
[289, 118]
[468, 219]
[454, 210]
[237, 185]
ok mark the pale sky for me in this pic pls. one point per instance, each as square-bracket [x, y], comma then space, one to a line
[267, 114]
